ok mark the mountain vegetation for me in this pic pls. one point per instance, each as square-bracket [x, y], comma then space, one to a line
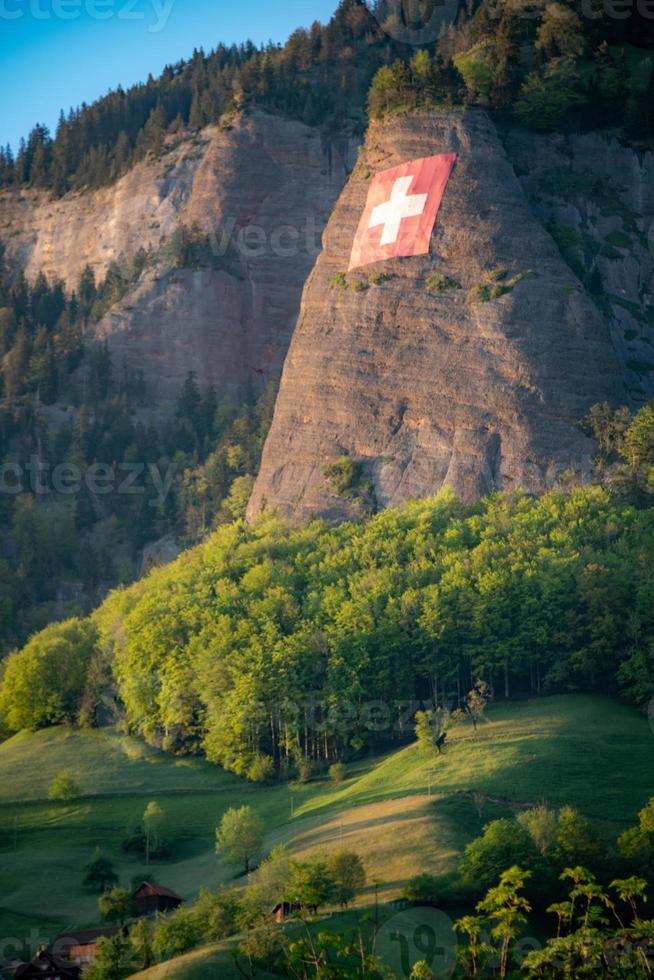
[542, 65]
[543, 61]
[69, 415]
[274, 651]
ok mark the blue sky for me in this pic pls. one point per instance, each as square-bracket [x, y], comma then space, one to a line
[58, 53]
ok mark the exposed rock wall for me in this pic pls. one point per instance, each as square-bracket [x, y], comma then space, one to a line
[424, 388]
[596, 196]
[230, 324]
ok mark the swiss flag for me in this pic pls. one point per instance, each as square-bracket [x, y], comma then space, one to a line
[401, 210]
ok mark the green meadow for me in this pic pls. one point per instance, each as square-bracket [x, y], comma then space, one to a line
[405, 812]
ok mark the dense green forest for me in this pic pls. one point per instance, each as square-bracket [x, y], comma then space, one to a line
[269, 649]
[539, 61]
[182, 468]
[544, 75]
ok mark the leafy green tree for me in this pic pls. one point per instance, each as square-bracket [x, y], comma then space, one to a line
[261, 769]
[476, 700]
[476, 69]
[636, 845]
[263, 945]
[141, 936]
[383, 92]
[347, 870]
[576, 841]
[175, 933]
[239, 837]
[235, 504]
[473, 954]
[154, 826]
[422, 889]
[431, 728]
[64, 787]
[502, 844]
[332, 955]
[548, 95]
[541, 824]
[268, 885]
[312, 884]
[216, 914]
[114, 960]
[639, 438]
[506, 910]
[99, 874]
[337, 772]
[560, 33]
[116, 905]
[43, 683]
[586, 943]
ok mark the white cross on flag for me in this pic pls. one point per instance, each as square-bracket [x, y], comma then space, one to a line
[401, 210]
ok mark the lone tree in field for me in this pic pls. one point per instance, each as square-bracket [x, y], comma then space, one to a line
[349, 874]
[99, 874]
[239, 836]
[154, 822]
[431, 729]
[64, 787]
[476, 700]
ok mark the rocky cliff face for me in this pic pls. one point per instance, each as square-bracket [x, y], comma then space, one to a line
[476, 379]
[262, 188]
[596, 197]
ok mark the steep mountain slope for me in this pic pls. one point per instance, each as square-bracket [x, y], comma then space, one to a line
[260, 186]
[476, 383]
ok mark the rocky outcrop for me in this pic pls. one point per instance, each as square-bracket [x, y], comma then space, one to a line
[476, 380]
[261, 186]
[596, 197]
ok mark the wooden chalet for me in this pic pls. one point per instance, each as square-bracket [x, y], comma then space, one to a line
[151, 899]
[80, 947]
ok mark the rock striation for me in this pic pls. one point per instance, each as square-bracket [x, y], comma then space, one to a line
[470, 367]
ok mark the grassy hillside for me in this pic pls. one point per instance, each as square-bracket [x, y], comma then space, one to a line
[104, 762]
[550, 748]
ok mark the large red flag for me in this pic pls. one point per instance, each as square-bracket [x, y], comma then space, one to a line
[401, 210]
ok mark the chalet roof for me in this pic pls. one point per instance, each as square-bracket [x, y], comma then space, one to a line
[148, 888]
